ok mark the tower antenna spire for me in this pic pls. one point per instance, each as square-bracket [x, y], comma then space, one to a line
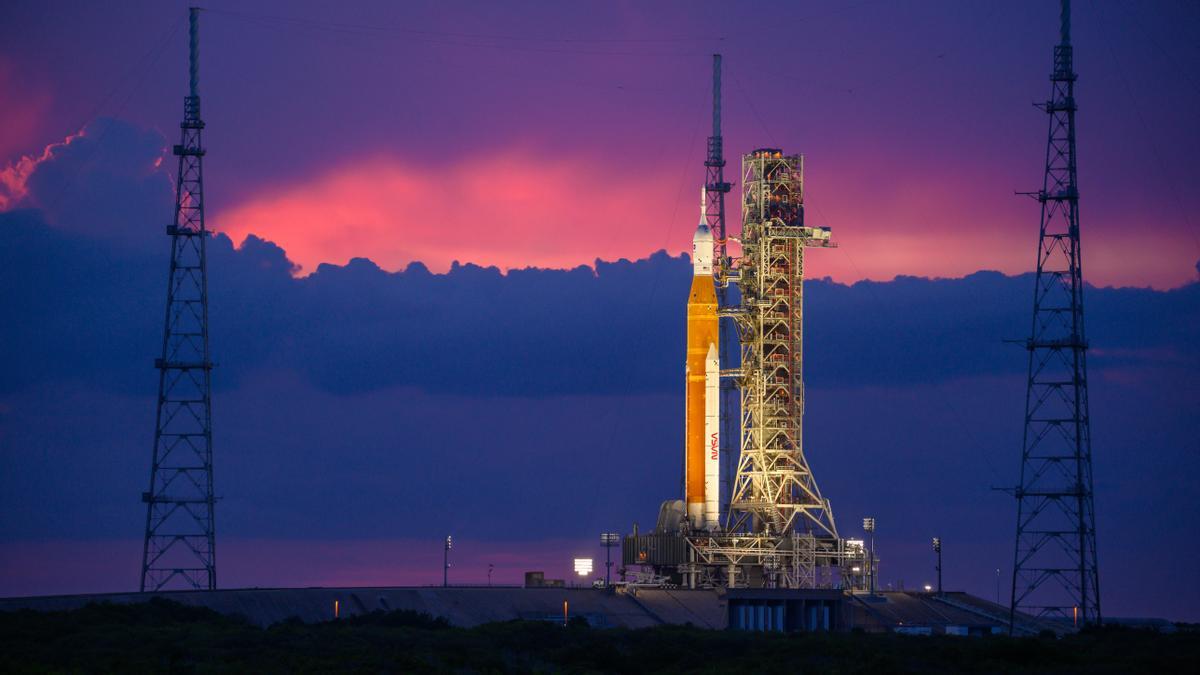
[179, 548]
[194, 52]
[1065, 23]
[716, 94]
[1054, 563]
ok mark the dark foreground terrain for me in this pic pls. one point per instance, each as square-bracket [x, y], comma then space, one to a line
[162, 636]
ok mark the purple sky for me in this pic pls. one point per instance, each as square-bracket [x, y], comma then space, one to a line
[578, 127]
[361, 414]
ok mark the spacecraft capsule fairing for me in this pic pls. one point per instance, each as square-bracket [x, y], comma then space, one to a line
[702, 459]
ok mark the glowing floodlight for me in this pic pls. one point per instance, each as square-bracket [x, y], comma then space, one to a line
[583, 566]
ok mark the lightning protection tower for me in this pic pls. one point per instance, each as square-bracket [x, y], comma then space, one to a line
[179, 549]
[1054, 569]
[715, 190]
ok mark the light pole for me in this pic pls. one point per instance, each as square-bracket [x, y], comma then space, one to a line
[937, 548]
[446, 562]
[490, 568]
[869, 528]
[608, 540]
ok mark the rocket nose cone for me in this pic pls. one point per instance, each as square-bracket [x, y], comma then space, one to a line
[703, 234]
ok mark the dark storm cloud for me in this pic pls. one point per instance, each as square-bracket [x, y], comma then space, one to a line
[104, 183]
[89, 309]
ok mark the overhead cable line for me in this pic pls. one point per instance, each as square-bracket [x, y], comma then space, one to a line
[483, 41]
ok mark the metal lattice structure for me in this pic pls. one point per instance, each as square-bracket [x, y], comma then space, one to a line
[788, 561]
[1054, 569]
[179, 549]
[780, 531]
[715, 190]
[774, 491]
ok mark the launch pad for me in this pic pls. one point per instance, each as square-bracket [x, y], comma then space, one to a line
[775, 530]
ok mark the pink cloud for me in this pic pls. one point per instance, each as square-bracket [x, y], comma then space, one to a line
[509, 210]
[21, 115]
[950, 221]
[13, 177]
[516, 209]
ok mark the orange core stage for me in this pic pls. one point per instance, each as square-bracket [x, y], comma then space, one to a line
[702, 440]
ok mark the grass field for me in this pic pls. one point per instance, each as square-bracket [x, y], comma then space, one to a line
[162, 636]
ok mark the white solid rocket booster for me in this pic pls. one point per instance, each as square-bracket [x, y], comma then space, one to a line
[712, 431]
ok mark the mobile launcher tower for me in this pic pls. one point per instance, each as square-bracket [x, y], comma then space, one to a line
[777, 531]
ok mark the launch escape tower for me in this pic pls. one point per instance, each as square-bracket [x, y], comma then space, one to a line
[1054, 569]
[179, 549]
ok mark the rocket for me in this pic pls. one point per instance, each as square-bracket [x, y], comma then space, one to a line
[702, 444]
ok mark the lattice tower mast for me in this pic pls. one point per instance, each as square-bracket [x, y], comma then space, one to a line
[715, 191]
[1054, 568]
[774, 491]
[179, 549]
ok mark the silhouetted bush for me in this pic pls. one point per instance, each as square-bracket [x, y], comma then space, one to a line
[394, 619]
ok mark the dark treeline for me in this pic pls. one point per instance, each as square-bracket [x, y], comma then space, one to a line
[166, 637]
